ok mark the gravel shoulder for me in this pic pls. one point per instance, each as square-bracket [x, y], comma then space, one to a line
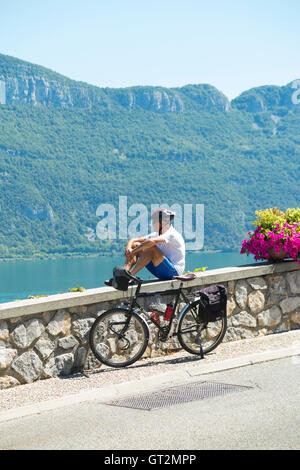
[48, 389]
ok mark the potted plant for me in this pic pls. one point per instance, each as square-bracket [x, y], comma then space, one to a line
[276, 237]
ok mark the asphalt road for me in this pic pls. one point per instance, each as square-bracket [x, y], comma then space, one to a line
[265, 416]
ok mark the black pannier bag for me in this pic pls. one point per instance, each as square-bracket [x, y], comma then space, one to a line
[212, 303]
[120, 278]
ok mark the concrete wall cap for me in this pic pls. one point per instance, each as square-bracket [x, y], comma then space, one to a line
[26, 307]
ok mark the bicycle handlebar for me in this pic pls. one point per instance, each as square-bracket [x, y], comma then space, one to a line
[134, 278]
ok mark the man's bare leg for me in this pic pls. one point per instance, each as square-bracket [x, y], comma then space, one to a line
[153, 254]
[131, 261]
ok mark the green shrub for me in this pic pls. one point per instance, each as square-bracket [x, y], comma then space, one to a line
[268, 218]
[292, 216]
[77, 289]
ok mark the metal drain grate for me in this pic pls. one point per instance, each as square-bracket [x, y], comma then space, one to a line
[177, 395]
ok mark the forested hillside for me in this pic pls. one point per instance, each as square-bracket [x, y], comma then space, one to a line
[66, 147]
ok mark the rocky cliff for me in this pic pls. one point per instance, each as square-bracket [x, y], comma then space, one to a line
[269, 98]
[25, 83]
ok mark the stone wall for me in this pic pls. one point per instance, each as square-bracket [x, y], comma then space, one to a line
[48, 337]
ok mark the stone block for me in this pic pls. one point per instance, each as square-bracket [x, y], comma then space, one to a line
[59, 365]
[80, 358]
[81, 328]
[68, 342]
[7, 382]
[273, 299]
[289, 304]
[257, 283]
[236, 333]
[231, 305]
[241, 293]
[293, 280]
[4, 332]
[45, 347]
[256, 301]
[277, 285]
[6, 357]
[60, 324]
[295, 317]
[243, 319]
[27, 332]
[230, 287]
[28, 366]
[270, 317]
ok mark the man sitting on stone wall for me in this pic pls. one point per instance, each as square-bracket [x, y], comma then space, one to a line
[162, 252]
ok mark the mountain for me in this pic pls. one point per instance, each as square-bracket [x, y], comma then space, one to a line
[25, 83]
[270, 98]
[66, 147]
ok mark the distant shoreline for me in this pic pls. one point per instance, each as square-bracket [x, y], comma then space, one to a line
[92, 255]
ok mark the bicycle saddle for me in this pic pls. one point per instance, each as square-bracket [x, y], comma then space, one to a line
[186, 277]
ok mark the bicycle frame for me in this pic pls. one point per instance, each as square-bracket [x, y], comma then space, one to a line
[164, 330]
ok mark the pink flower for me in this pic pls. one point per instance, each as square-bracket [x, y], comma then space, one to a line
[285, 238]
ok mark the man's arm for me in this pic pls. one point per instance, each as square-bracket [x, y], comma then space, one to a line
[146, 244]
[130, 243]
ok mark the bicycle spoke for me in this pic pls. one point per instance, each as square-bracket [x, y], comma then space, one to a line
[117, 341]
[190, 331]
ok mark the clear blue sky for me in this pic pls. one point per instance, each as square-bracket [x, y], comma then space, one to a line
[231, 44]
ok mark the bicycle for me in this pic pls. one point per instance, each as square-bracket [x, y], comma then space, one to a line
[119, 336]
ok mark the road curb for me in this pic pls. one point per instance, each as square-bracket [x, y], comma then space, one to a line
[167, 379]
[246, 360]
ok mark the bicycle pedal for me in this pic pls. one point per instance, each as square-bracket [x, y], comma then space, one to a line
[163, 334]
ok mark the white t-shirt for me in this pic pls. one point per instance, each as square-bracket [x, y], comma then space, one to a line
[173, 248]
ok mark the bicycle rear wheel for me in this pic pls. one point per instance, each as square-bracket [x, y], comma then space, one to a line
[191, 329]
[119, 337]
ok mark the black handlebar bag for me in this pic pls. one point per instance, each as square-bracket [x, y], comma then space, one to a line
[212, 303]
[120, 278]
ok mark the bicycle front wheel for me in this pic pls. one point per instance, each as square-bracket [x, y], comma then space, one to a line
[192, 331]
[119, 337]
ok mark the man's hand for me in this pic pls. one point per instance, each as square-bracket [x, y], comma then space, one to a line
[129, 245]
[128, 251]
[132, 245]
[144, 245]
[138, 245]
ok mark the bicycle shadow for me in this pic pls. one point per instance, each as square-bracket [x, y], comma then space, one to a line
[140, 364]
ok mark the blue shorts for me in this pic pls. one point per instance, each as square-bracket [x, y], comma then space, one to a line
[164, 271]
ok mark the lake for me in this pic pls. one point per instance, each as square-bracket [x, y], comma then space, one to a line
[22, 278]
